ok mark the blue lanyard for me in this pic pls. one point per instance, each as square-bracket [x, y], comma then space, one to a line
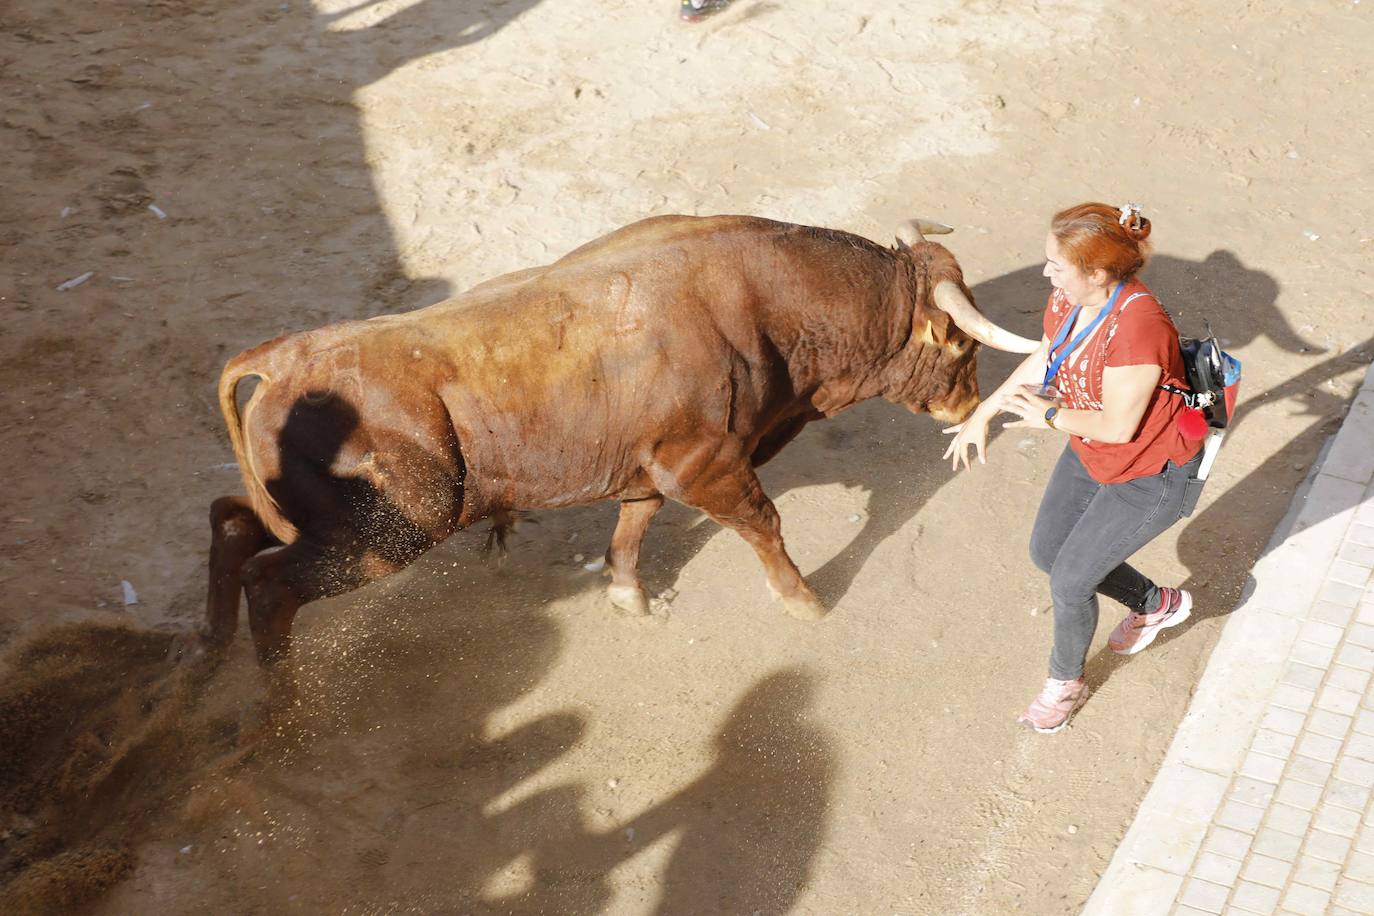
[1082, 335]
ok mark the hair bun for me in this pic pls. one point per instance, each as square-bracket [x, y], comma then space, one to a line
[1136, 226]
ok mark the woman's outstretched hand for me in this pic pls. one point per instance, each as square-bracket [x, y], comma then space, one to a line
[974, 432]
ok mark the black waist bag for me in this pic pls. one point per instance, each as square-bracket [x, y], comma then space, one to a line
[1213, 379]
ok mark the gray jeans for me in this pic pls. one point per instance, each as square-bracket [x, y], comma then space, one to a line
[1083, 534]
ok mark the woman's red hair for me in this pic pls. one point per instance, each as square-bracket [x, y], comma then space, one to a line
[1097, 236]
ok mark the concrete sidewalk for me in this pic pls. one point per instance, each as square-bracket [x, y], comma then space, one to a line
[1262, 804]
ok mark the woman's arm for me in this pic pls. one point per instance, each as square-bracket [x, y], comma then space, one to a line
[1126, 393]
[974, 430]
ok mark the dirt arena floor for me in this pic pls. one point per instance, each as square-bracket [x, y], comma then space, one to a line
[484, 739]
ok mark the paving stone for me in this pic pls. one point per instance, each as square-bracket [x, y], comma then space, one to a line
[1355, 895]
[1271, 842]
[1327, 513]
[1216, 869]
[1317, 873]
[1340, 821]
[1347, 795]
[1327, 846]
[1192, 911]
[1226, 842]
[1262, 767]
[1323, 634]
[1287, 722]
[1353, 769]
[1267, 870]
[1361, 746]
[1330, 724]
[1287, 696]
[1361, 634]
[1350, 457]
[1252, 791]
[1129, 888]
[1360, 866]
[1335, 699]
[1364, 842]
[1311, 653]
[1356, 656]
[1204, 895]
[1298, 794]
[1334, 614]
[1255, 898]
[1245, 818]
[1348, 573]
[1357, 553]
[1305, 769]
[1319, 747]
[1341, 593]
[1274, 744]
[1307, 901]
[1169, 827]
[1289, 819]
[1287, 591]
[1300, 675]
[1361, 534]
[1353, 679]
[1364, 722]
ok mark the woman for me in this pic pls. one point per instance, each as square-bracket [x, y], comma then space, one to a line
[1128, 472]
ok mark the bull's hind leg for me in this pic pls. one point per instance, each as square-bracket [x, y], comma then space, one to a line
[279, 582]
[732, 495]
[235, 535]
[625, 591]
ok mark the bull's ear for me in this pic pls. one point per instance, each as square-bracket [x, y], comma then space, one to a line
[934, 327]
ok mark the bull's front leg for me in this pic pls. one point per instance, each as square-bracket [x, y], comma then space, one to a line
[732, 495]
[625, 590]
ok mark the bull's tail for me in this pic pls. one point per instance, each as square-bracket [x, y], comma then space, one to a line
[249, 363]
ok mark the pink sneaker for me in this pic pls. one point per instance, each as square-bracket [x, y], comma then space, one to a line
[1058, 701]
[1139, 630]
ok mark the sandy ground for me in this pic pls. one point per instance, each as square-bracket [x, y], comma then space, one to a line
[488, 739]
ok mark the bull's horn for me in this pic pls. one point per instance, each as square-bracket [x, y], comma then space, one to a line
[975, 324]
[915, 230]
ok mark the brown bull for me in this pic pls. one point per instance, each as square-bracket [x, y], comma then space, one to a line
[667, 359]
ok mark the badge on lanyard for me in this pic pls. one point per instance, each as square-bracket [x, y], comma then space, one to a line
[1057, 361]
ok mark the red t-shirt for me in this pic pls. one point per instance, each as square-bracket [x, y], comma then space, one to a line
[1138, 332]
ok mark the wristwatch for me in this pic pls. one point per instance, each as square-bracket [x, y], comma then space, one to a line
[1049, 417]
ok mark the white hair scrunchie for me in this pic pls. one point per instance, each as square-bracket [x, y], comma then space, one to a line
[1126, 211]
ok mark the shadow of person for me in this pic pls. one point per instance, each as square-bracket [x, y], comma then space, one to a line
[746, 831]
[1220, 545]
[750, 827]
[308, 208]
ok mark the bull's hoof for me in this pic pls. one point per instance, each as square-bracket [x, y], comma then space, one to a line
[629, 598]
[193, 647]
[808, 607]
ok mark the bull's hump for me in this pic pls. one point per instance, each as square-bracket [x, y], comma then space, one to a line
[648, 236]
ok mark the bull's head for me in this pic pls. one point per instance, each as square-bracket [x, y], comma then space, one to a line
[945, 320]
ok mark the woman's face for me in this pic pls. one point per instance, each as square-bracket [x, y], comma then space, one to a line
[1081, 288]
